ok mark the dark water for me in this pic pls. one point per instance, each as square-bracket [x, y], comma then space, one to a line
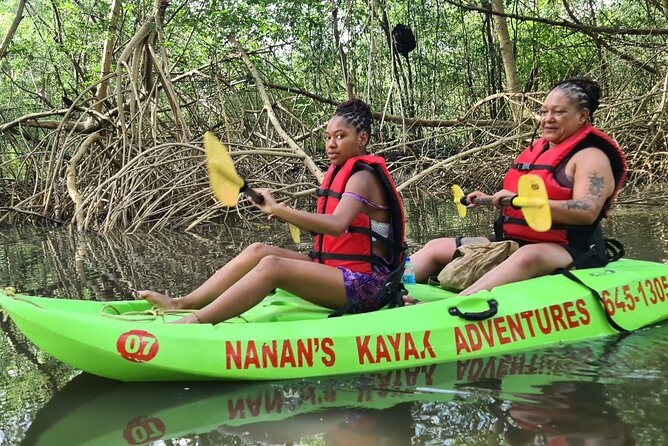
[608, 391]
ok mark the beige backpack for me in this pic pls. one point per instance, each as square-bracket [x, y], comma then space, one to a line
[471, 262]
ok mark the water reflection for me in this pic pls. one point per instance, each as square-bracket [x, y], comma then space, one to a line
[569, 395]
[111, 266]
[561, 396]
[567, 413]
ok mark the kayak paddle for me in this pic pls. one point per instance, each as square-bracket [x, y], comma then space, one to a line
[224, 180]
[531, 198]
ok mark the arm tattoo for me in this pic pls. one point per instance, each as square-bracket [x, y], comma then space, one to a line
[576, 204]
[596, 184]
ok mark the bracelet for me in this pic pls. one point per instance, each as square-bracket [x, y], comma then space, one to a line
[199, 321]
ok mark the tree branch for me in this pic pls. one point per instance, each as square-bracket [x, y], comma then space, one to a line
[310, 165]
[31, 121]
[409, 122]
[566, 24]
[635, 62]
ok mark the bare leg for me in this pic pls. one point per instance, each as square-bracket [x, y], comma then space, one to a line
[431, 259]
[222, 279]
[529, 261]
[314, 282]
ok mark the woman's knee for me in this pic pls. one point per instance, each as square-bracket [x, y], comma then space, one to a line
[432, 257]
[271, 266]
[440, 250]
[440, 245]
[257, 251]
[537, 259]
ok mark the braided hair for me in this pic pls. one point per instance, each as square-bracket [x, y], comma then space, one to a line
[356, 113]
[584, 91]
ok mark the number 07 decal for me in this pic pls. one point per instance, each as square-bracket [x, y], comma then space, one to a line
[137, 345]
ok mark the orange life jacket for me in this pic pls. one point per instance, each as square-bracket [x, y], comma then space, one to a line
[353, 248]
[545, 163]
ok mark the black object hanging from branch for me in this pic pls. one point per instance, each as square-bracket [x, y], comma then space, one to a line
[404, 39]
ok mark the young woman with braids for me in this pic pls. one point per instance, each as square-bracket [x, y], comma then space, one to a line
[583, 169]
[359, 230]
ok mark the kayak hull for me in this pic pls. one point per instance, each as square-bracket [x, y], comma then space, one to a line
[285, 337]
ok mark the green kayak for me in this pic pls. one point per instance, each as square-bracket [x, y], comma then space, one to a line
[91, 411]
[285, 337]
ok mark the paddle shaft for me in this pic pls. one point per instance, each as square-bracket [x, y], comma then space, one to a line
[508, 201]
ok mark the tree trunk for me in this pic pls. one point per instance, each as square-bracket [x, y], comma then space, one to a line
[108, 52]
[12, 29]
[507, 54]
[342, 53]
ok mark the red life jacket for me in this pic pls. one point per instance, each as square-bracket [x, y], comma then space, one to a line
[353, 248]
[545, 164]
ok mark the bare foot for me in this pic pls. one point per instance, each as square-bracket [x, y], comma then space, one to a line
[159, 300]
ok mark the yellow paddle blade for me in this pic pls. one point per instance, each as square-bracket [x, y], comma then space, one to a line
[532, 198]
[294, 232]
[459, 193]
[223, 178]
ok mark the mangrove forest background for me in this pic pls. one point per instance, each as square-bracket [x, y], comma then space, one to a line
[103, 104]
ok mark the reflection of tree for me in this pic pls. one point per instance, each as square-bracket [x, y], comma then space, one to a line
[559, 413]
[607, 391]
[641, 396]
[566, 413]
[22, 347]
[112, 265]
[29, 379]
[337, 427]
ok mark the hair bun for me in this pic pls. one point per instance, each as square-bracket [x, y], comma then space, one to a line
[357, 113]
[582, 86]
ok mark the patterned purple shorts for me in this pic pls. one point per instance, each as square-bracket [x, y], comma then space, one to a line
[361, 288]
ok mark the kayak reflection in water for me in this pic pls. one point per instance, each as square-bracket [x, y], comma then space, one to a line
[359, 230]
[566, 414]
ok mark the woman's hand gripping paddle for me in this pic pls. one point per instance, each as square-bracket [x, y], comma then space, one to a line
[531, 198]
[226, 183]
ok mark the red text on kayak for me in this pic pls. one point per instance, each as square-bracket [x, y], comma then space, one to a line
[389, 348]
[503, 330]
[285, 353]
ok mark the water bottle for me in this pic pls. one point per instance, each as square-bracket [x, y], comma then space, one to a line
[409, 272]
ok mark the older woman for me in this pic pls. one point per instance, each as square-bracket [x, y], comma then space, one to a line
[583, 169]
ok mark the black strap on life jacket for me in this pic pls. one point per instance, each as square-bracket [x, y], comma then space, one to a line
[373, 259]
[321, 192]
[518, 221]
[522, 167]
[614, 250]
